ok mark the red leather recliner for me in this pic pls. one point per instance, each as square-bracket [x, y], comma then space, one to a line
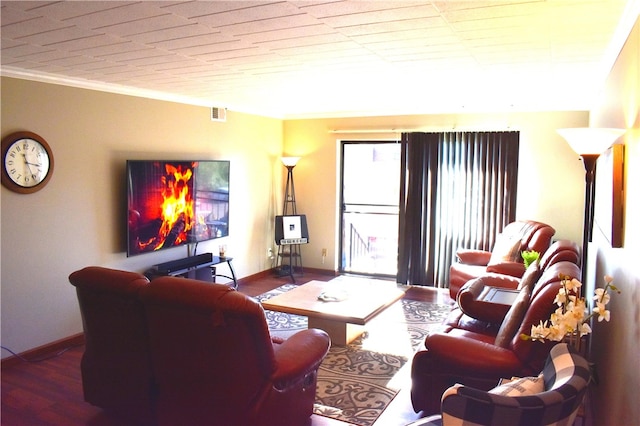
[185, 352]
[474, 354]
[215, 363]
[505, 257]
[115, 367]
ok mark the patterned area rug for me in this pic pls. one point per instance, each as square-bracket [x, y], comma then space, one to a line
[357, 382]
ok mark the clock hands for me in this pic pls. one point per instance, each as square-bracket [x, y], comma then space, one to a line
[38, 165]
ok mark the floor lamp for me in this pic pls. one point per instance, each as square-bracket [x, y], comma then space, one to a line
[289, 208]
[589, 143]
[290, 191]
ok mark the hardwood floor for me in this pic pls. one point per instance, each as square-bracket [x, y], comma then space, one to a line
[49, 392]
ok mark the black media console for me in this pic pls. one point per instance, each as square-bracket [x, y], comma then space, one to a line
[201, 267]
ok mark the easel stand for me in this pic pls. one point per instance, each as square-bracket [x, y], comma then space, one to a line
[289, 261]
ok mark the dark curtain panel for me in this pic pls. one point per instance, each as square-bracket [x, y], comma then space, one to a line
[458, 189]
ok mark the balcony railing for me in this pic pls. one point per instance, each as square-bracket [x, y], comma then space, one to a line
[370, 240]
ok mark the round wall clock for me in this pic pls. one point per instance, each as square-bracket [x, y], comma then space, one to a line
[27, 162]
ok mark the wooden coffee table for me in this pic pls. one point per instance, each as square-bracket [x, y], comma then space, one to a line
[343, 320]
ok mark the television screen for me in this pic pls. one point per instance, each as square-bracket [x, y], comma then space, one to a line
[173, 203]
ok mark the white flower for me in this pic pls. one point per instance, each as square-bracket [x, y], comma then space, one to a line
[557, 332]
[575, 314]
[601, 296]
[573, 284]
[561, 297]
[539, 331]
[603, 313]
[584, 329]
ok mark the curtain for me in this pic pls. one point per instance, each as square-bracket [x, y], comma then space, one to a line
[458, 189]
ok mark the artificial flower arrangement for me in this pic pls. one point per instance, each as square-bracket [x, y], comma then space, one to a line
[529, 256]
[571, 319]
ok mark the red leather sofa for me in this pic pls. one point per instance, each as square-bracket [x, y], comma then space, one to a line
[472, 297]
[477, 353]
[505, 257]
[178, 351]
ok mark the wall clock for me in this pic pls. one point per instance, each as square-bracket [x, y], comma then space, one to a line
[27, 162]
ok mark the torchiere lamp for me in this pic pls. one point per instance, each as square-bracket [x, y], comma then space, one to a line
[290, 191]
[289, 208]
[589, 143]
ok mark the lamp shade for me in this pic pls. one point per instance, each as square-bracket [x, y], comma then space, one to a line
[590, 140]
[290, 161]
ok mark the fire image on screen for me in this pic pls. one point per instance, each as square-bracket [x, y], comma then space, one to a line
[172, 203]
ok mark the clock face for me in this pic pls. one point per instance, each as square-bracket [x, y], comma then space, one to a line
[27, 162]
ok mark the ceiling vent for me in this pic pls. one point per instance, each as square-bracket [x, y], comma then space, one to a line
[218, 114]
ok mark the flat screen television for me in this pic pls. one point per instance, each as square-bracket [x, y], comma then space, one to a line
[174, 203]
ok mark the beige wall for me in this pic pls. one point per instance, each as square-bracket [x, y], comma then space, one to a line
[615, 345]
[550, 178]
[78, 218]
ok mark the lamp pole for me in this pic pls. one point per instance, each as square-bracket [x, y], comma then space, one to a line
[589, 143]
[590, 161]
[289, 193]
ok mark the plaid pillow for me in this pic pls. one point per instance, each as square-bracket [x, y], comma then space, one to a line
[520, 387]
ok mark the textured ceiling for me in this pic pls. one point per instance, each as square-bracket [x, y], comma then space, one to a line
[324, 58]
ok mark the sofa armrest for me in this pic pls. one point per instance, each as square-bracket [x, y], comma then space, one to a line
[472, 297]
[299, 355]
[476, 285]
[514, 269]
[473, 288]
[473, 257]
[487, 359]
[482, 309]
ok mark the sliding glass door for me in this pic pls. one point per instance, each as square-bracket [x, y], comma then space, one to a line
[370, 176]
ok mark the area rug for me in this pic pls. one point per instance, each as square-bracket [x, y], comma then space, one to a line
[357, 382]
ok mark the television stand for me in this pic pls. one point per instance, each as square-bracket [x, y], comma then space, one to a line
[201, 267]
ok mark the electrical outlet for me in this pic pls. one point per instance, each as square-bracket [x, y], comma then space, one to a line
[269, 253]
[324, 252]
